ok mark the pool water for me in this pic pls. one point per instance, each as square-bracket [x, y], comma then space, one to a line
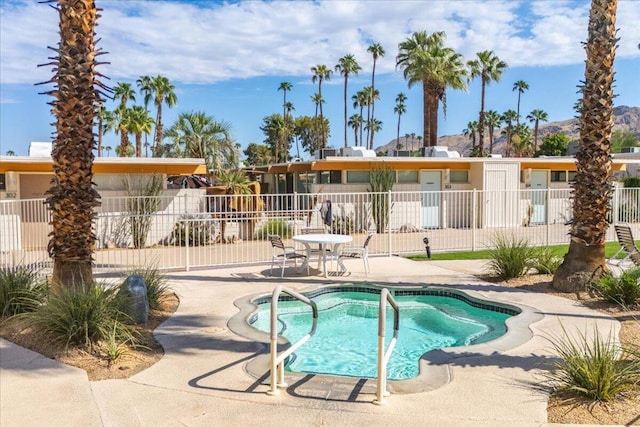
[345, 342]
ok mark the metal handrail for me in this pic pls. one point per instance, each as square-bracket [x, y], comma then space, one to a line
[277, 362]
[383, 357]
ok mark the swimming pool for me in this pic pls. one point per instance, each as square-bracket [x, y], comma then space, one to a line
[345, 342]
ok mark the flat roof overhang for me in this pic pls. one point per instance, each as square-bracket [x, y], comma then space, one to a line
[110, 165]
[350, 163]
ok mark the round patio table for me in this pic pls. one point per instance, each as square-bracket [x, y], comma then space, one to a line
[323, 240]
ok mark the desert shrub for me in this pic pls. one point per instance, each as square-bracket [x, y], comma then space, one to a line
[343, 224]
[190, 231]
[381, 180]
[21, 290]
[596, 368]
[545, 261]
[156, 282]
[623, 290]
[274, 226]
[82, 316]
[511, 257]
[142, 203]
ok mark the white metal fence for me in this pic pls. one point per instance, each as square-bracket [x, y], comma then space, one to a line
[194, 230]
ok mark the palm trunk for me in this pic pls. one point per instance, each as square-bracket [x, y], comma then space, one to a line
[592, 188]
[346, 143]
[426, 129]
[139, 144]
[481, 119]
[158, 152]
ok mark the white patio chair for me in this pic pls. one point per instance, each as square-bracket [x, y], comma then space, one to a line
[280, 251]
[351, 251]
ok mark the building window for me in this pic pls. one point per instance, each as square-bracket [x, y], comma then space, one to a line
[558, 176]
[330, 177]
[459, 177]
[358, 177]
[408, 177]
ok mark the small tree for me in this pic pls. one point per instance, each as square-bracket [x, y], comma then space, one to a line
[381, 181]
[553, 145]
[143, 201]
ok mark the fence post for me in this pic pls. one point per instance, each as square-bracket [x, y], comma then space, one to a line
[389, 221]
[295, 212]
[546, 214]
[474, 219]
[186, 243]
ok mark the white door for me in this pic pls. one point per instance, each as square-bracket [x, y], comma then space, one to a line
[539, 186]
[495, 199]
[431, 185]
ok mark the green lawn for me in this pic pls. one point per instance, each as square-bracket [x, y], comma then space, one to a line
[560, 250]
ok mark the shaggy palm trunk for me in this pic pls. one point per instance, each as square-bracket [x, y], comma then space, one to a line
[592, 187]
[72, 197]
[481, 121]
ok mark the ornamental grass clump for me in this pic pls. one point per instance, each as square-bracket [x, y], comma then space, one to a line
[21, 290]
[545, 261]
[274, 226]
[511, 257]
[82, 316]
[623, 290]
[593, 367]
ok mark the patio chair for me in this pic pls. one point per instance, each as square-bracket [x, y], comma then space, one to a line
[627, 246]
[280, 251]
[351, 251]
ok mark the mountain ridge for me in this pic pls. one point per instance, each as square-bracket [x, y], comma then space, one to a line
[625, 118]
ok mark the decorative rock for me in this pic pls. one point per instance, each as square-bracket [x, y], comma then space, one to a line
[135, 290]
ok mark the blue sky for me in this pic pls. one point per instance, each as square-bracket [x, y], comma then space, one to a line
[228, 58]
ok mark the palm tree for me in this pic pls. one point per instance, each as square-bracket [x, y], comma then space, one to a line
[163, 93]
[347, 66]
[371, 95]
[104, 116]
[489, 67]
[493, 122]
[145, 86]
[374, 126]
[139, 122]
[199, 135]
[285, 87]
[399, 109]
[355, 122]
[470, 131]
[592, 187]
[72, 198]
[320, 74]
[536, 117]
[425, 60]
[360, 99]
[316, 98]
[520, 86]
[124, 92]
[11, 153]
[509, 117]
[108, 148]
[377, 51]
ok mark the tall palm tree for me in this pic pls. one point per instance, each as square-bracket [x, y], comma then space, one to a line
[371, 95]
[493, 122]
[145, 87]
[489, 68]
[355, 122]
[536, 117]
[592, 188]
[124, 92]
[374, 126]
[425, 60]
[108, 150]
[361, 100]
[198, 135]
[104, 116]
[321, 73]
[285, 87]
[346, 66]
[399, 109]
[376, 51]
[520, 86]
[316, 98]
[72, 197]
[139, 122]
[163, 93]
[509, 118]
[471, 131]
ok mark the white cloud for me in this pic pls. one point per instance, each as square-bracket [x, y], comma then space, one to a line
[208, 42]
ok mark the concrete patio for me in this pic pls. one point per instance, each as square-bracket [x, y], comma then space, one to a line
[202, 379]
